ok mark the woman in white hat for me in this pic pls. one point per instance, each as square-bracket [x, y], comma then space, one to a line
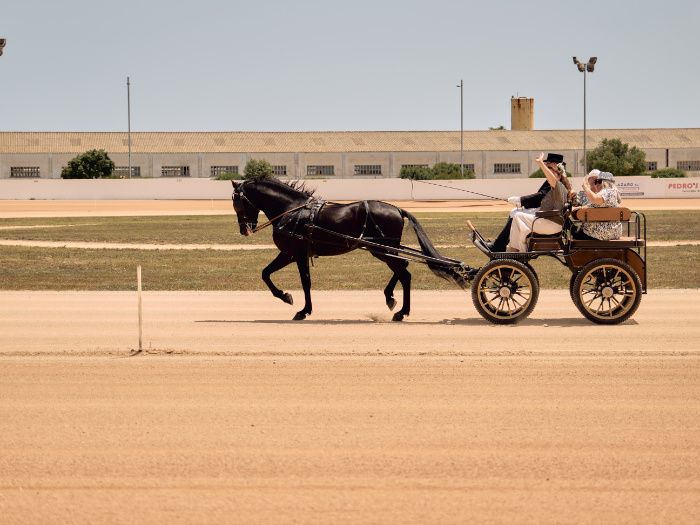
[599, 191]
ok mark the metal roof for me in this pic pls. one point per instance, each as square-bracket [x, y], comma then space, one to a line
[337, 141]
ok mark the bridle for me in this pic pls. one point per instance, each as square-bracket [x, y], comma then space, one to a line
[249, 223]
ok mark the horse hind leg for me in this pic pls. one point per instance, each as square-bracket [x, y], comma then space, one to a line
[401, 274]
[305, 276]
[389, 292]
[404, 277]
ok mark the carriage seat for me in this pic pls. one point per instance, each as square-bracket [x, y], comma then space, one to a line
[605, 215]
[540, 242]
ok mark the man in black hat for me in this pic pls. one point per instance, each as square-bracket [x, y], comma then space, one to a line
[533, 200]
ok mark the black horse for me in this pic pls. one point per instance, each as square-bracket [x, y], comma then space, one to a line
[304, 226]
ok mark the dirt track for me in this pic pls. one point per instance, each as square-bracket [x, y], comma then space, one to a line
[233, 414]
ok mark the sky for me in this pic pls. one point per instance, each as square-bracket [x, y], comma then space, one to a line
[329, 65]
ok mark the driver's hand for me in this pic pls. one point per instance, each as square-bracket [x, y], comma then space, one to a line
[514, 201]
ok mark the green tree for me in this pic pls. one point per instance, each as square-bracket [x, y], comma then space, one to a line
[93, 164]
[497, 128]
[256, 168]
[538, 174]
[618, 158]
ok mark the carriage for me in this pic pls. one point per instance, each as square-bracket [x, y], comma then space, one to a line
[607, 281]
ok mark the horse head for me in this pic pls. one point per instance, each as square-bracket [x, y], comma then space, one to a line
[246, 211]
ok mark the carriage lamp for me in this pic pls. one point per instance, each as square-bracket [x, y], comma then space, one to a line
[588, 67]
[2, 44]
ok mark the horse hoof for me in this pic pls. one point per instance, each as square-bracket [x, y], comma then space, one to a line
[398, 317]
[287, 298]
[391, 303]
[300, 316]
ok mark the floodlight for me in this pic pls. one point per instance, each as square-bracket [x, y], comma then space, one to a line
[2, 44]
[591, 64]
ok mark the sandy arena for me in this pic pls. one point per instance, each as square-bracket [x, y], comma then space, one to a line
[232, 413]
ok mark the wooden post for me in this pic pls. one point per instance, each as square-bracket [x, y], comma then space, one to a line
[138, 287]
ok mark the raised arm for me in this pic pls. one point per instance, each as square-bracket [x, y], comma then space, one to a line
[595, 198]
[551, 177]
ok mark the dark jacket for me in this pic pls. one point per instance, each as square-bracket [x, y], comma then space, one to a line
[535, 199]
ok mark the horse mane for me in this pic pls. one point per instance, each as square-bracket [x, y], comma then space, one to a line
[296, 185]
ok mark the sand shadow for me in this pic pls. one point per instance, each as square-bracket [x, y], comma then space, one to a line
[331, 322]
[563, 322]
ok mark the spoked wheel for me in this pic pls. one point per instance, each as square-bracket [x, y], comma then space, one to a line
[572, 281]
[505, 291]
[607, 291]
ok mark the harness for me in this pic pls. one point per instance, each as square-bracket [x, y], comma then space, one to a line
[300, 223]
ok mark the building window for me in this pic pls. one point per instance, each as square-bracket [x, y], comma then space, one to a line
[368, 169]
[123, 171]
[314, 171]
[279, 171]
[512, 167]
[175, 171]
[25, 172]
[470, 167]
[414, 166]
[217, 171]
[652, 165]
[688, 165]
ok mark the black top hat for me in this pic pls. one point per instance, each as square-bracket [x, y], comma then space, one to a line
[554, 157]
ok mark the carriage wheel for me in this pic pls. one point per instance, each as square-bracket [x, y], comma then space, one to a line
[505, 291]
[571, 286]
[607, 291]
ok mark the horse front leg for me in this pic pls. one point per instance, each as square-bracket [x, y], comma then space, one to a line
[277, 263]
[305, 276]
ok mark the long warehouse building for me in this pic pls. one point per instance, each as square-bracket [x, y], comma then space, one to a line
[334, 154]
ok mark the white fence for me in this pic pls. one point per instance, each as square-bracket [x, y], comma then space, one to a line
[341, 189]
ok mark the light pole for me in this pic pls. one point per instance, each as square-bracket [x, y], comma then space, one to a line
[128, 117]
[585, 68]
[461, 128]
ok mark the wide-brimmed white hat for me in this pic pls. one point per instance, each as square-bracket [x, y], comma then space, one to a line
[606, 175]
[593, 174]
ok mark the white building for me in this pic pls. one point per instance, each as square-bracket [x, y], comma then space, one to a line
[334, 154]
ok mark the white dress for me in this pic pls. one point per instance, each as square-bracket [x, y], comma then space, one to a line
[525, 221]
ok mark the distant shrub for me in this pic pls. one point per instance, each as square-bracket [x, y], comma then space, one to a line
[449, 171]
[667, 173]
[539, 174]
[255, 168]
[415, 173]
[229, 175]
[440, 171]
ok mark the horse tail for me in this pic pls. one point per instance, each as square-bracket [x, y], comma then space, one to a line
[442, 267]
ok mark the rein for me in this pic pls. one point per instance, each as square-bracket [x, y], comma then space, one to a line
[268, 223]
[458, 189]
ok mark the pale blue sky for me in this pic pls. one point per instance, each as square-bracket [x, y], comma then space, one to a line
[345, 65]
